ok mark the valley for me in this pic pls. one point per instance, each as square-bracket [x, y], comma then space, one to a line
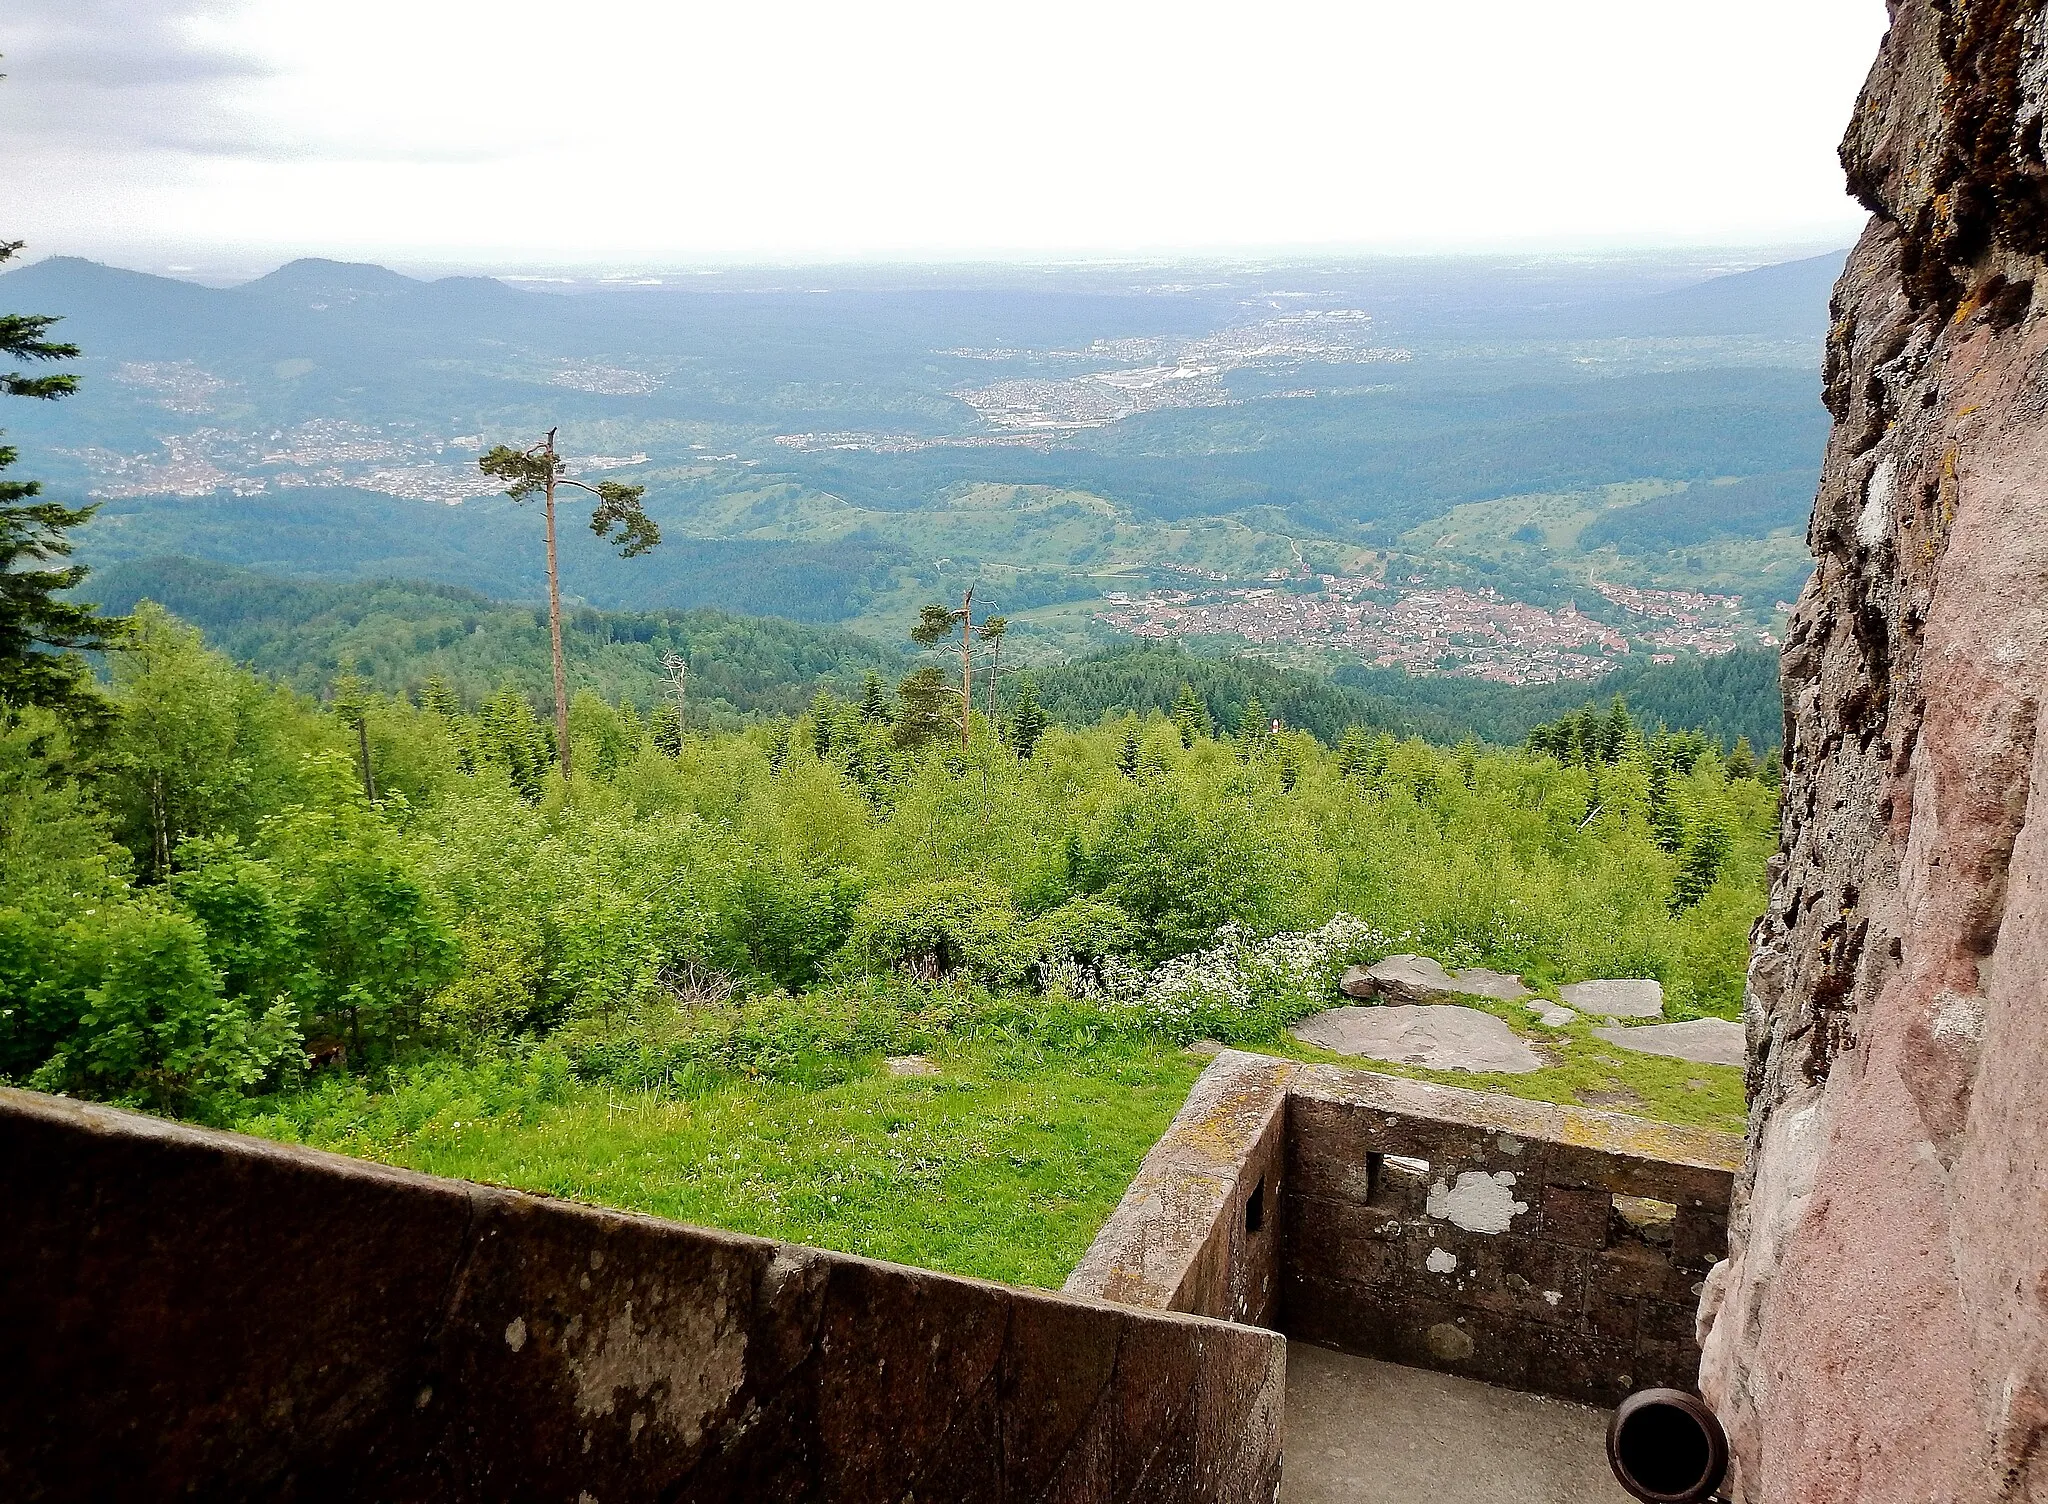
[1451, 468]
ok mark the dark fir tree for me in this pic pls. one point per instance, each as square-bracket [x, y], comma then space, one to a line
[925, 704]
[1028, 718]
[1700, 866]
[1254, 733]
[41, 632]
[874, 700]
[1190, 714]
[1354, 753]
[1127, 755]
[1667, 825]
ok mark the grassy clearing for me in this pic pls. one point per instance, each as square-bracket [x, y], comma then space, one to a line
[1001, 1166]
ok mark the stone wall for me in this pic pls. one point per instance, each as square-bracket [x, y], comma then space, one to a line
[200, 1315]
[1199, 1228]
[1880, 1332]
[1544, 1248]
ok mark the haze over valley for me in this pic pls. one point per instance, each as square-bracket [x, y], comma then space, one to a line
[1526, 471]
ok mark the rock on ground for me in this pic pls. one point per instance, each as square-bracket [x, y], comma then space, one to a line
[1633, 997]
[1440, 1037]
[1418, 979]
[1880, 1332]
[1550, 1015]
[1706, 1041]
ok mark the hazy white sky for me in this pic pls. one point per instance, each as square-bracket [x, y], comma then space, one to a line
[616, 131]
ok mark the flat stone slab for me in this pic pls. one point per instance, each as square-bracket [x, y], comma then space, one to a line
[1441, 1037]
[909, 1065]
[1631, 997]
[1364, 1432]
[1704, 1041]
[1551, 1015]
[1418, 979]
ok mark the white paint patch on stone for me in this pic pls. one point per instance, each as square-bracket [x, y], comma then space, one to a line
[1479, 1202]
[1875, 522]
[1441, 1261]
[515, 1333]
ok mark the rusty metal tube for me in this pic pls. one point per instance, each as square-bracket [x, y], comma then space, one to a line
[1666, 1447]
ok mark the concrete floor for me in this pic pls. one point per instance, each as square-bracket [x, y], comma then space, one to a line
[1364, 1432]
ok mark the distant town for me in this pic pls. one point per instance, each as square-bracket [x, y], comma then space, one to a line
[1427, 631]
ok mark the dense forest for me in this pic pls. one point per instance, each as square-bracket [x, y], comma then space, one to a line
[397, 635]
[217, 885]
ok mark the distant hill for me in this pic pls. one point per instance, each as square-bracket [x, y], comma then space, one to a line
[1727, 697]
[1789, 300]
[397, 633]
[491, 545]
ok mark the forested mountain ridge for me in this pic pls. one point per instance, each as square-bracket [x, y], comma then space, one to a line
[396, 635]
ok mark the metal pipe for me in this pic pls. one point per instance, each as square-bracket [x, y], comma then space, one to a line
[1666, 1447]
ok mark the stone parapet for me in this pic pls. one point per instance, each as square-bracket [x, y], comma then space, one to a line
[1549, 1249]
[195, 1314]
[1545, 1248]
[1199, 1229]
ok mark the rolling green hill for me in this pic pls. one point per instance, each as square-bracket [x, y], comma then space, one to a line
[397, 633]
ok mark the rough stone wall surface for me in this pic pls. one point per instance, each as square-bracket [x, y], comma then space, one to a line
[188, 1314]
[1481, 1235]
[1199, 1228]
[1880, 1331]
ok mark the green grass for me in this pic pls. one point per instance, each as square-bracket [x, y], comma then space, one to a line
[1001, 1166]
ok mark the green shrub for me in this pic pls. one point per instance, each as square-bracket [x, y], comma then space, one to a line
[934, 930]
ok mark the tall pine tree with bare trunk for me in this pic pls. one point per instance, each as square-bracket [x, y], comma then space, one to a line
[934, 625]
[539, 471]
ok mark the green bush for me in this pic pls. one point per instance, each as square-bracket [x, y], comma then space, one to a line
[935, 930]
[1183, 866]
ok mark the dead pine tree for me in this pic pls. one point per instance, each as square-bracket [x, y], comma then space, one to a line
[934, 625]
[538, 471]
[991, 632]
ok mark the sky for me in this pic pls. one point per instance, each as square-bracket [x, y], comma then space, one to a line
[673, 132]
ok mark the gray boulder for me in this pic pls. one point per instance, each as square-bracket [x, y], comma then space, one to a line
[1632, 997]
[1704, 1041]
[1442, 1038]
[1418, 979]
